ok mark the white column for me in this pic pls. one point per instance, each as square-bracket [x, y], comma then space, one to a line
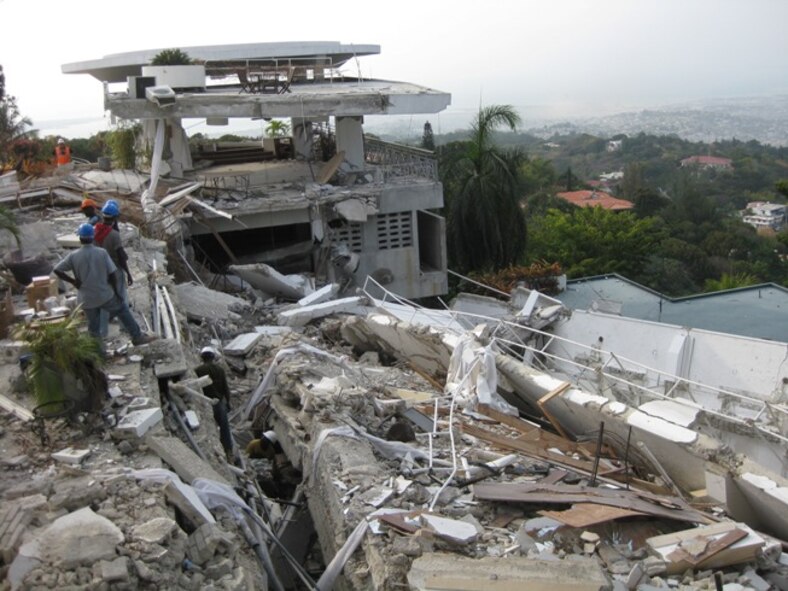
[350, 139]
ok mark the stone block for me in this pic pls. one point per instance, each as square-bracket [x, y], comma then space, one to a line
[139, 422]
[219, 568]
[115, 571]
[206, 541]
[78, 538]
[155, 531]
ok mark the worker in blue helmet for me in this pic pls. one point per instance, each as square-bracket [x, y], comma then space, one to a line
[108, 238]
[95, 277]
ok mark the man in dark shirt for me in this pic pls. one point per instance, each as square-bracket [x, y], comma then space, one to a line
[218, 390]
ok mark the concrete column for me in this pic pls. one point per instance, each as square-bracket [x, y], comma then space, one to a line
[350, 139]
[181, 156]
[302, 138]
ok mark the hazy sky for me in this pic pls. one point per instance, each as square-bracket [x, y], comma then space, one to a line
[582, 56]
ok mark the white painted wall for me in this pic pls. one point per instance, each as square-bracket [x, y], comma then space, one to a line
[735, 363]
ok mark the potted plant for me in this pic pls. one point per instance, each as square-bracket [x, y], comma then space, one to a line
[65, 365]
[174, 68]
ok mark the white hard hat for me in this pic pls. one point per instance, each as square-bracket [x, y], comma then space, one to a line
[271, 436]
[209, 349]
[61, 141]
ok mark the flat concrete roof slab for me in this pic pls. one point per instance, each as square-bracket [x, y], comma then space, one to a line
[116, 67]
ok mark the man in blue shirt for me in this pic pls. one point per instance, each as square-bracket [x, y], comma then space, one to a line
[96, 282]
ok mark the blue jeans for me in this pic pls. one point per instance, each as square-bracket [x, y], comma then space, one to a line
[225, 434]
[98, 323]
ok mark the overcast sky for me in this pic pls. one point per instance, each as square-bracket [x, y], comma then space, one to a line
[571, 56]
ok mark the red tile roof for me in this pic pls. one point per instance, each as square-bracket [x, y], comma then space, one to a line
[595, 199]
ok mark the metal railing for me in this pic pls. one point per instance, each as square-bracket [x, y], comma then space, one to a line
[682, 390]
[398, 161]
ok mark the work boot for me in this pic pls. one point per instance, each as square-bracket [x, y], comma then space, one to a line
[143, 339]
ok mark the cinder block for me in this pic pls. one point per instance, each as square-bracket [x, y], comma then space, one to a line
[71, 455]
[139, 422]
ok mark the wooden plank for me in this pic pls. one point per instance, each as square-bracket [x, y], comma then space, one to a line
[219, 239]
[534, 433]
[583, 515]
[712, 549]
[528, 448]
[743, 550]
[331, 167]
[534, 493]
[542, 402]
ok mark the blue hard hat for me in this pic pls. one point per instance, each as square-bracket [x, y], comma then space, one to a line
[111, 209]
[86, 231]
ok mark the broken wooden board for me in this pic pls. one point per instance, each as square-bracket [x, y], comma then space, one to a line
[708, 547]
[536, 445]
[582, 515]
[542, 404]
[564, 494]
[330, 167]
[746, 549]
[532, 432]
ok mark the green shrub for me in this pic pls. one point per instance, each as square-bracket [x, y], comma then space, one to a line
[172, 57]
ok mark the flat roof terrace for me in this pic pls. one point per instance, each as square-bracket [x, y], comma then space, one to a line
[118, 66]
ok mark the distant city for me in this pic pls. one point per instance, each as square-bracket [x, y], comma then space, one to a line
[764, 119]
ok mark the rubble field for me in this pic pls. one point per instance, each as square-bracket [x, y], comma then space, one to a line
[378, 445]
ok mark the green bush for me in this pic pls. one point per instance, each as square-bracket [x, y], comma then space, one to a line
[172, 57]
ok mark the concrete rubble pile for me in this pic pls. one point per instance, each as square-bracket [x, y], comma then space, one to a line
[378, 446]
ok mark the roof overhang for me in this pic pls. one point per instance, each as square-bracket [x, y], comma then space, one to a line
[117, 67]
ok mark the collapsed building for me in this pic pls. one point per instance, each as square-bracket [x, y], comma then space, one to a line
[503, 442]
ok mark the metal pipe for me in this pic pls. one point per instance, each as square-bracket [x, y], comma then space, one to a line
[598, 453]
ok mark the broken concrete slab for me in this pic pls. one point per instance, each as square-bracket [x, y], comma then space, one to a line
[304, 315]
[453, 530]
[185, 499]
[242, 344]
[270, 281]
[427, 348]
[450, 571]
[202, 303]
[325, 293]
[187, 464]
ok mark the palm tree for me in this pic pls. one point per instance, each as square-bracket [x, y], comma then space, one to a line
[486, 225]
[277, 128]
